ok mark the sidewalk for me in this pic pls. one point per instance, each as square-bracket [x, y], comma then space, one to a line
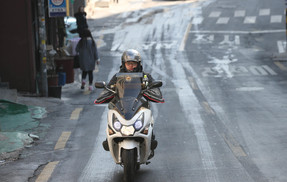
[20, 124]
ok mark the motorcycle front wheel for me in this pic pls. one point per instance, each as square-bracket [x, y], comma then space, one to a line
[129, 162]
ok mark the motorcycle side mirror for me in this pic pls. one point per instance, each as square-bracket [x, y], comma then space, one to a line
[100, 84]
[155, 84]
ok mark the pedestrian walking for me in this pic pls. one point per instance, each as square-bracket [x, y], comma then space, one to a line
[88, 56]
[81, 20]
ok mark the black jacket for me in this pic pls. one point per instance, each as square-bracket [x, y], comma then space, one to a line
[153, 94]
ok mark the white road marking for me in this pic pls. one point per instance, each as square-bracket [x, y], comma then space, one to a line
[269, 70]
[215, 14]
[162, 45]
[249, 20]
[220, 71]
[229, 42]
[237, 32]
[239, 13]
[263, 70]
[248, 89]
[276, 19]
[222, 20]
[264, 12]
[222, 66]
[197, 20]
[203, 39]
[237, 40]
[189, 104]
[281, 46]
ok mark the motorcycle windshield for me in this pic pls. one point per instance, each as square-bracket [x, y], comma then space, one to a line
[128, 88]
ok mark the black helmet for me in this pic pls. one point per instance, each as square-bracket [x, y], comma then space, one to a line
[132, 55]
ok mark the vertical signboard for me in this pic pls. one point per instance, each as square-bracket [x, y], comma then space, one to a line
[57, 8]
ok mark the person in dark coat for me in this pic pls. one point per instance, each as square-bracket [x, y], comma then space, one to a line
[88, 57]
[81, 20]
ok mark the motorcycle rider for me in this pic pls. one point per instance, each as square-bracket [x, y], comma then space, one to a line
[131, 62]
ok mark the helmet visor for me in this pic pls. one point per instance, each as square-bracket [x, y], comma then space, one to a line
[131, 65]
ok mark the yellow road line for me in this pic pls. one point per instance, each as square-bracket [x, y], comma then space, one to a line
[87, 92]
[234, 146]
[76, 113]
[193, 83]
[208, 108]
[47, 172]
[281, 66]
[183, 42]
[60, 145]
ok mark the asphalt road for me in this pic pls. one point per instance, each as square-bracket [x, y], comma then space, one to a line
[224, 118]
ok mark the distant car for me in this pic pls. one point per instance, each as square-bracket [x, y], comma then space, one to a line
[72, 37]
[71, 27]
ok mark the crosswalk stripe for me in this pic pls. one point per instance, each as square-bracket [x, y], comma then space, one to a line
[276, 19]
[222, 20]
[249, 20]
[215, 14]
[264, 12]
[239, 13]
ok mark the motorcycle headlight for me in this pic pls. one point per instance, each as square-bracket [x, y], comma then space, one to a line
[139, 122]
[116, 123]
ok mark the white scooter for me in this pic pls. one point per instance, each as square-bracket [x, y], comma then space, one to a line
[130, 123]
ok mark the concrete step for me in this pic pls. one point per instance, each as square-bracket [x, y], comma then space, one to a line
[280, 56]
[4, 84]
[8, 94]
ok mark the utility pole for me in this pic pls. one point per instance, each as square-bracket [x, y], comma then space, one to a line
[42, 48]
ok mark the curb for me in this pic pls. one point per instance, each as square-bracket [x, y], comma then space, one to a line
[14, 142]
[280, 57]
